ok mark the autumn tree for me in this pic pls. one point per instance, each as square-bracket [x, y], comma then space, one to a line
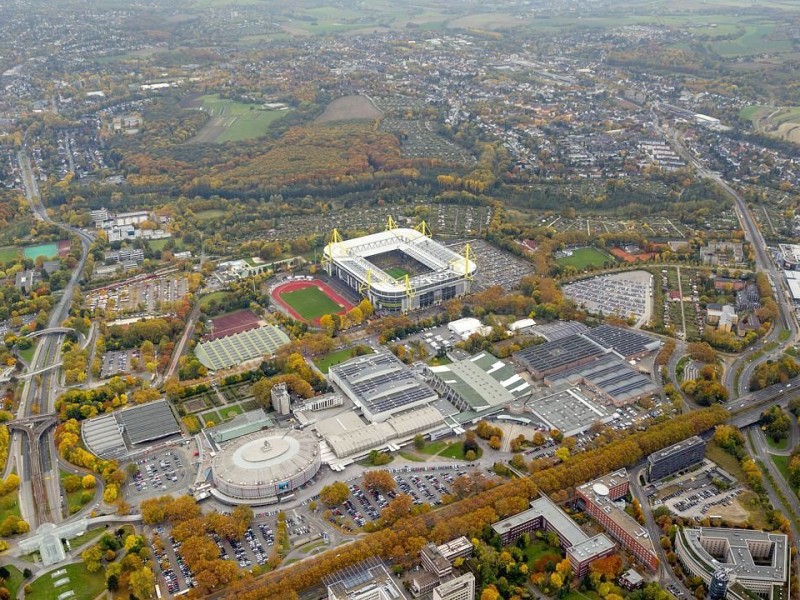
[334, 494]
[380, 481]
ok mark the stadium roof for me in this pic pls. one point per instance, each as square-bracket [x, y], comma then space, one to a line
[482, 381]
[625, 342]
[148, 422]
[240, 347]
[610, 374]
[560, 354]
[380, 383]
[443, 263]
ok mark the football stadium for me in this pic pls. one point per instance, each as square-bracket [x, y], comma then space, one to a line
[400, 269]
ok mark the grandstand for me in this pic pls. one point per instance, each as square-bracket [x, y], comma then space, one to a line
[400, 269]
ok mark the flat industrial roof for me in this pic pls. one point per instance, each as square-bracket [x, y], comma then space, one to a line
[558, 329]
[681, 446]
[612, 375]
[567, 409]
[624, 342]
[148, 422]
[559, 354]
[380, 382]
[483, 381]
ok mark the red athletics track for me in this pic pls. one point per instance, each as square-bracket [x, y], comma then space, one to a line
[293, 286]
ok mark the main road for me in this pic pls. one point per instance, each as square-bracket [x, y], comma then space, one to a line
[786, 320]
[40, 491]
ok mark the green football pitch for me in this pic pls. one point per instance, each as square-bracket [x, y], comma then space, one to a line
[310, 303]
[396, 272]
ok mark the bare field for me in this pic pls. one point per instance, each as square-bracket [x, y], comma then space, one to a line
[487, 21]
[789, 132]
[350, 108]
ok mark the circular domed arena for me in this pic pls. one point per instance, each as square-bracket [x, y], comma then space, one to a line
[267, 464]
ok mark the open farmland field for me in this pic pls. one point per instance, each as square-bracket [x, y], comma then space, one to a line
[233, 121]
[780, 122]
[350, 108]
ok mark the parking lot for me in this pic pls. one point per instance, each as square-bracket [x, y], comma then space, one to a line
[495, 267]
[423, 486]
[167, 471]
[116, 362]
[140, 296]
[254, 549]
[623, 294]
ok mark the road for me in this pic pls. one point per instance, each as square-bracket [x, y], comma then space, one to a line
[764, 263]
[40, 492]
[757, 445]
[665, 572]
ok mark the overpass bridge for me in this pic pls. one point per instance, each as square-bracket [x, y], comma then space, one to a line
[50, 331]
[39, 371]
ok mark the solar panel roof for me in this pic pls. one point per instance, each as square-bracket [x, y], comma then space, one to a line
[240, 347]
[149, 422]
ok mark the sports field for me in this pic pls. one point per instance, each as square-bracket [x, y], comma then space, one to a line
[308, 300]
[396, 272]
[311, 303]
[584, 257]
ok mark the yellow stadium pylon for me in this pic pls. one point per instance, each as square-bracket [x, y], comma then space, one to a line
[424, 229]
[390, 224]
[365, 286]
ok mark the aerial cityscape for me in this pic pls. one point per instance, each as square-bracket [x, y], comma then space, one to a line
[425, 299]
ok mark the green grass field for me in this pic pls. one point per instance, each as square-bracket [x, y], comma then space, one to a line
[334, 358]
[87, 586]
[212, 416]
[233, 121]
[396, 272]
[9, 505]
[584, 257]
[755, 40]
[782, 462]
[310, 303]
[779, 445]
[538, 549]
[27, 354]
[218, 296]
[456, 450]
[206, 215]
[229, 412]
[14, 580]
[9, 253]
[74, 498]
[160, 243]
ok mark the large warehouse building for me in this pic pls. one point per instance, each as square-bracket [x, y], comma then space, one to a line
[380, 385]
[399, 269]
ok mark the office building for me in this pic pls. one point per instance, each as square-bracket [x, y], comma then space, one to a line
[675, 458]
[544, 515]
[460, 588]
[754, 562]
[600, 497]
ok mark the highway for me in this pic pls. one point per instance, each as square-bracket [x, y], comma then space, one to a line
[40, 491]
[764, 263]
